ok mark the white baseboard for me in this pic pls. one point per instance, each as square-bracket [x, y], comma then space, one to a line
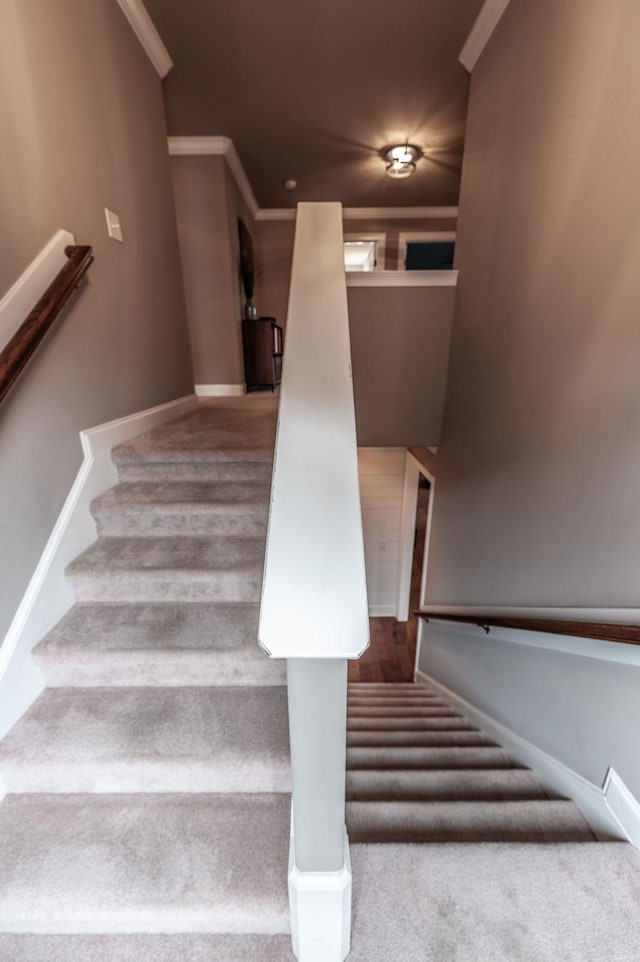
[589, 798]
[382, 611]
[320, 904]
[220, 390]
[48, 595]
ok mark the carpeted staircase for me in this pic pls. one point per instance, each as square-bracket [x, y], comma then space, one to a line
[148, 805]
[147, 814]
[460, 855]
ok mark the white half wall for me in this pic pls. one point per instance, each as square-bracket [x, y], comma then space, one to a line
[381, 473]
[580, 708]
[49, 595]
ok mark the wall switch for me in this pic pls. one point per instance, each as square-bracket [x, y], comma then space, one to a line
[114, 229]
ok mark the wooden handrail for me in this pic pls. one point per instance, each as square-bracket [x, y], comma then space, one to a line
[603, 631]
[18, 352]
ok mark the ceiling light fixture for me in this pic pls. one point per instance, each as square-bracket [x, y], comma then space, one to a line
[401, 159]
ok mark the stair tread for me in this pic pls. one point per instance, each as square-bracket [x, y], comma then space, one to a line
[194, 643]
[443, 721]
[443, 785]
[150, 739]
[466, 821]
[424, 739]
[495, 902]
[443, 757]
[245, 496]
[411, 711]
[186, 554]
[152, 948]
[144, 863]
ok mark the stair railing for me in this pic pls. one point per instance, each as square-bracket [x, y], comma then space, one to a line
[19, 350]
[314, 601]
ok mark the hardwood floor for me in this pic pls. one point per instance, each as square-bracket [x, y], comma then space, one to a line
[392, 652]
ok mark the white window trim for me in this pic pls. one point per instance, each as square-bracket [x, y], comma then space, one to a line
[407, 236]
[381, 242]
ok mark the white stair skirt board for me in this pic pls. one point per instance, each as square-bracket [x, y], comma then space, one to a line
[22, 297]
[220, 390]
[320, 904]
[589, 798]
[49, 595]
[624, 806]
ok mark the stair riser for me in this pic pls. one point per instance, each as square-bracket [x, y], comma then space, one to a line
[126, 670]
[146, 776]
[426, 758]
[443, 786]
[196, 471]
[399, 712]
[141, 585]
[386, 739]
[143, 520]
[466, 822]
[439, 723]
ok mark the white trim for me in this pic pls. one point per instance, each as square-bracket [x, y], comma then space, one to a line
[382, 611]
[370, 213]
[217, 147]
[198, 146]
[432, 236]
[399, 213]
[402, 278]
[407, 535]
[486, 23]
[320, 905]
[220, 390]
[571, 644]
[49, 595]
[589, 798]
[22, 297]
[145, 30]
[624, 806]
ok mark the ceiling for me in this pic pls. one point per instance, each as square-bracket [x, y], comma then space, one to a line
[312, 91]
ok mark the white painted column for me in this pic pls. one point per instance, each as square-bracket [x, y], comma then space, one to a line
[319, 866]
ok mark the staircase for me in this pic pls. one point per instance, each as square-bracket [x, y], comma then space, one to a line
[148, 788]
[459, 854]
[148, 806]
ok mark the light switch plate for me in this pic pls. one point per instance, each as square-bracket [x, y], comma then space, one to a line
[114, 229]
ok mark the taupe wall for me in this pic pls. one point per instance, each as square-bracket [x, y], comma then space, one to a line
[539, 469]
[82, 127]
[538, 473]
[208, 204]
[275, 249]
[399, 352]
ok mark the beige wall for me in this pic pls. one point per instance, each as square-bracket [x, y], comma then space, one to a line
[208, 204]
[399, 352]
[275, 248]
[539, 469]
[82, 128]
[538, 476]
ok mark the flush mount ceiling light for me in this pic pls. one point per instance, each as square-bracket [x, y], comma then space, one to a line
[401, 159]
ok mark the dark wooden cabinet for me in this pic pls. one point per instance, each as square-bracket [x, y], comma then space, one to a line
[262, 345]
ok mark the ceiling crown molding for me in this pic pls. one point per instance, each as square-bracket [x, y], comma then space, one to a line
[481, 31]
[217, 146]
[223, 146]
[145, 30]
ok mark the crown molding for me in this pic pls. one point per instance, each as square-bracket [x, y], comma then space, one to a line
[212, 147]
[486, 23]
[369, 213]
[224, 146]
[145, 30]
